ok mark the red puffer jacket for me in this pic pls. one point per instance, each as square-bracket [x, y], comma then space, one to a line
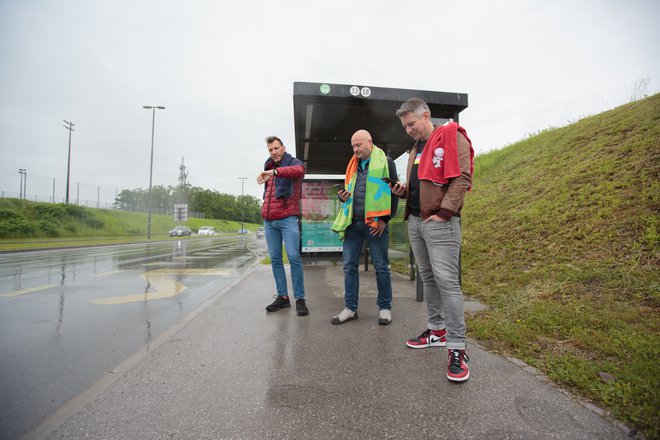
[275, 208]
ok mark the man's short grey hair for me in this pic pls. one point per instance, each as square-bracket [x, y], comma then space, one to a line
[416, 106]
[271, 139]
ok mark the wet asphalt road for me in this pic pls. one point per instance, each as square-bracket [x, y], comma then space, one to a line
[67, 317]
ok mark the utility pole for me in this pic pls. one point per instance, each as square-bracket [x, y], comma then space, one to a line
[69, 126]
[151, 164]
[242, 179]
[22, 172]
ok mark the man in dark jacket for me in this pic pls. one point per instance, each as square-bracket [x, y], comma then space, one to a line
[282, 177]
[367, 207]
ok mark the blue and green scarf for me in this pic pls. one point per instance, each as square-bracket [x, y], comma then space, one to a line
[378, 197]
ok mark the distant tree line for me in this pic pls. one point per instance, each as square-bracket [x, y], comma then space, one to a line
[213, 204]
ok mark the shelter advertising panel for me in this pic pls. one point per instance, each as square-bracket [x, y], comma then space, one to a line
[320, 206]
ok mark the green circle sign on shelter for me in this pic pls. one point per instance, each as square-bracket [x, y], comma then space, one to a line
[325, 89]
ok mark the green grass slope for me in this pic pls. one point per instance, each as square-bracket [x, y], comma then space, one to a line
[25, 224]
[560, 239]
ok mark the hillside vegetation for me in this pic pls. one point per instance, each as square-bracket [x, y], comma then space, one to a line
[25, 221]
[560, 239]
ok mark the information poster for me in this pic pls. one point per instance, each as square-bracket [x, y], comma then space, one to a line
[320, 206]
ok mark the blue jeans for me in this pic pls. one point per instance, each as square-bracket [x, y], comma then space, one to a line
[437, 246]
[356, 233]
[285, 229]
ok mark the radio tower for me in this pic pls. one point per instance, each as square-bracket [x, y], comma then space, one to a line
[183, 188]
[181, 207]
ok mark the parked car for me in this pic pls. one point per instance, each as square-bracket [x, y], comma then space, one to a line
[180, 231]
[242, 231]
[206, 230]
[261, 233]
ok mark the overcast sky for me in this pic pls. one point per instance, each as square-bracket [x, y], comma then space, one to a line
[225, 73]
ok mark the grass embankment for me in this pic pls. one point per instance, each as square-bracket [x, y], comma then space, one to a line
[561, 241]
[31, 225]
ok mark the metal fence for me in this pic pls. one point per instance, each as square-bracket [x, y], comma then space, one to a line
[103, 204]
[98, 203]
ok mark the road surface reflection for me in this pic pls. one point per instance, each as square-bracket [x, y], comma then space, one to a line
[69, 316]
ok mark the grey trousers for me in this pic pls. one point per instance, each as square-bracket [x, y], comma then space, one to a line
[437, 246]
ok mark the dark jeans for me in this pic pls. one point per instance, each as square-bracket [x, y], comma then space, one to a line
[356, 234]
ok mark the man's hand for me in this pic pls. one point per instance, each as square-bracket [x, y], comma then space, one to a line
[435, 218]
[399, 189]
[378, 231]
[343, 195]
[265, 176]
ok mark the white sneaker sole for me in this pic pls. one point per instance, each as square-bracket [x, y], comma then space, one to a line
[335, 319]
[458, 379]
[433, 344]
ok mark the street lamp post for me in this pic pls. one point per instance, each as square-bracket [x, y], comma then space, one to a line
[22, 172]
[242, 179]
[69, 126]
[151, 163]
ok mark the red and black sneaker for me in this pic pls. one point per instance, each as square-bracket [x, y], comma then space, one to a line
[430, 338]
[457, 369]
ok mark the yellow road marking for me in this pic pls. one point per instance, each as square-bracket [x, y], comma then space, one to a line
[165, 287]
[162, 282]
[28, 290]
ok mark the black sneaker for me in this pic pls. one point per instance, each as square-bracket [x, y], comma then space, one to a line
[457, 367]
[279, 303]
[301, 307]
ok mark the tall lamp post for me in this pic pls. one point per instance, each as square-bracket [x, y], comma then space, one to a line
[69, 126]
[22, 172]
[242, 179]
[151, 163]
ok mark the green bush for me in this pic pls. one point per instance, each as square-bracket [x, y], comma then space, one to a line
[8, 214]
[76, 211]
[94, 222]
[49, 228]
[16, 228]
[49, 210]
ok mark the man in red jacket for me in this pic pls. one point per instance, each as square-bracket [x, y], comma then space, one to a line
[282, 177]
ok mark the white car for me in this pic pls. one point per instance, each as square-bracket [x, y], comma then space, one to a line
[206, 230]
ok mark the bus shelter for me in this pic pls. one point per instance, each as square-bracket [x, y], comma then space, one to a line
[325, 118]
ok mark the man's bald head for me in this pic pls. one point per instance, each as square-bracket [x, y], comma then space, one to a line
[362, 144]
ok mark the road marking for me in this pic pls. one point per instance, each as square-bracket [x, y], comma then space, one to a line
[165, 287]
[28, 290]
[162, 282]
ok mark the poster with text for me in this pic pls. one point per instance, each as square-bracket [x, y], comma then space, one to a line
[320, 206]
